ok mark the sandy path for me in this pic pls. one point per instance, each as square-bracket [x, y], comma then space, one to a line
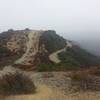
[46, 92]
[32, 47]
[54, 56]
[43, 93]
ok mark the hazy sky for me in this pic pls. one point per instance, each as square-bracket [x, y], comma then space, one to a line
[72, 18]
[75, 19]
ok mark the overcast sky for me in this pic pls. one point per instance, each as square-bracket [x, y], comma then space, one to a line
[78, 20]
[72, 18]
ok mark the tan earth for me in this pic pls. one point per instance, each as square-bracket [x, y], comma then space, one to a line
[54, 56]
[51, 86]
[32, 48]
[46, 93]
[43, 93]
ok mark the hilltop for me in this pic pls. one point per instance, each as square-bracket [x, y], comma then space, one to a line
[42, 50]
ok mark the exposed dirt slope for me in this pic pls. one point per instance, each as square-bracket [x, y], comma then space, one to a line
[32, 48]
[54, 56]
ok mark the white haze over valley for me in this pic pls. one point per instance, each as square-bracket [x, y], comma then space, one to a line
[78, 20]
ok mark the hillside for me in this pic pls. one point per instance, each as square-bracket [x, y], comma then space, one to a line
[42, 50]
[78, 56]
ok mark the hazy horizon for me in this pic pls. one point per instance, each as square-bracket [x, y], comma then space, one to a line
[77, 20]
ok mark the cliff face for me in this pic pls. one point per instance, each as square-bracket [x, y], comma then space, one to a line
[34, 47]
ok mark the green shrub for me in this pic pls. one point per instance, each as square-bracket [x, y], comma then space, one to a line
[78, 57]
[45, 67]
[4, 50]
[56, 67]
[16, 83]
[52, 41]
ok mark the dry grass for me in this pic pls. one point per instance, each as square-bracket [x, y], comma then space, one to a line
[48, 75]
[84, 74]
[86, 79]
[79, 80]
[47, 93]
[94, 71]
[16, 83]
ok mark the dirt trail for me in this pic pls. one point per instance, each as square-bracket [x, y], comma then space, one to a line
[32, 48]
[54, 56]
[46, 93]
[43, 93]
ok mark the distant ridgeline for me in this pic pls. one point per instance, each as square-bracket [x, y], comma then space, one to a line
[43, 51]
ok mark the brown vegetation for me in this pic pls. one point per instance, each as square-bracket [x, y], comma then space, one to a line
[16, 83]
[87, 79]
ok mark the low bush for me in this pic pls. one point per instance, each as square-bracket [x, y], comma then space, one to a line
[79, 76]
[45, 67]
[55, 67]
[79, 57]
[86, 79]
[80, 79]
[94, 71]
[4, 50]
[16, 83]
